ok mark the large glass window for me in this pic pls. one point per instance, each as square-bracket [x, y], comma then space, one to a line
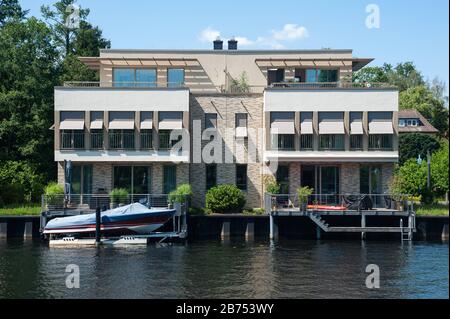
[175, 77]
[126, 77]
[211, 176]
[380, 142]
[169, 178]
[370, 182]
[123, 77]
[322, 76]
[146, 77]
[241, 176]
[332, 142]
[283, 178]
[135, 179]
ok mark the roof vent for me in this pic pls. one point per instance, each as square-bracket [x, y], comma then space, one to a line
[232, 44]
[218, 44]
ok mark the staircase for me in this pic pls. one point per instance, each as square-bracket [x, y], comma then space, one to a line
[406, 232]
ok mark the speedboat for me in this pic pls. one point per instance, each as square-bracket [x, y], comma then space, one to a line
[135, 218]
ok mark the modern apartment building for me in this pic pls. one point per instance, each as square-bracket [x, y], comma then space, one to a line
[296, 108]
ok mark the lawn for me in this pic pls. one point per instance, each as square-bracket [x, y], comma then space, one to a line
[20, 210]
[431, 210]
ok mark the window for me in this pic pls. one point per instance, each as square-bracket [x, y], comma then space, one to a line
[370, 182]
[96, 139]
[146, 139]
[145, 78]
[72, 139]
[380, 142]
[241, 176]
[323, 76]
[332, 142]
[241, 119]
[306, 142]
[135, 179]
[175, 77]
[169, 178]
[282, 177]
[211, 176]
[284, 142]
[275, 76]
[81, 179]
[165, 143]
[356, 142]
[210, 120]
[401, 123]
[134, 77]
[121, 139]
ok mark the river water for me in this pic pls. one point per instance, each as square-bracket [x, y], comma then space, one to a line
[236, 269]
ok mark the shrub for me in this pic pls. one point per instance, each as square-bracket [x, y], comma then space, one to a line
[198, 211]
[254, 211]
[181, 194]
[54, 193]
[272, 187]
[225, 199]
[118, 194]
[303, 193]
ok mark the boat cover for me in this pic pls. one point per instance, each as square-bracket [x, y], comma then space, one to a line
[127, 212]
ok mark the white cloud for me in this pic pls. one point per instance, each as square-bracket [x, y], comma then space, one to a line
[290, 32]
[209, 35]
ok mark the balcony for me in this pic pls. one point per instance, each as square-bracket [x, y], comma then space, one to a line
[331, 85]
[116, 146]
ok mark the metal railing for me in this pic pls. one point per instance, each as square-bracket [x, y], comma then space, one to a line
[118, 84]
[331, 85]
[121, 140]
[342, 202]
[88, 202]
[380, 142]
[72, 140]
[96, 140]
[146, 140]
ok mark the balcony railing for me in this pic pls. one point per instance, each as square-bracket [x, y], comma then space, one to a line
[72, 140]
[96, 84]
[97, 140]
[331, 85]
[122, 140]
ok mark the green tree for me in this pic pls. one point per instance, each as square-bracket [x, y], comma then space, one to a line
[412, 178]
[11, 10]
[439, 170]
[371, 74]
[28, 72]
[415, 144]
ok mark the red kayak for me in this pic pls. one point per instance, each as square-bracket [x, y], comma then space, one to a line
[326, 207]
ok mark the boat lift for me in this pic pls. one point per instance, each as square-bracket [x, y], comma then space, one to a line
[177, 233]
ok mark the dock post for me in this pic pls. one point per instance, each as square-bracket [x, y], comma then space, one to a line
[444, 235]
[177, 207]
[273, 228]
[28, 231]
[250, 231]
[97, 226]
[318, 232]
[3, 230]
[363, 225]
[225, 233]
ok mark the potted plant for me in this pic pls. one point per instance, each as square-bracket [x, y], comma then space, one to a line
[303, 193]
[272, 187]
[54, 195]
[180, 195]
[118, 197]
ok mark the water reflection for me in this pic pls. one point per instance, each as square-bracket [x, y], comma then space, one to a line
[235, 269]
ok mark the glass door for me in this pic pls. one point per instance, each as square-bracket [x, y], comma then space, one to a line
[329, 184]
[370, 182]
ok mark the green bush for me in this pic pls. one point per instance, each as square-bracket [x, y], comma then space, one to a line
[54, 193]
[225, 199]
[198, 211]
[118, 195]
[254, 211]
[181, 194]
[272, 187]
[303, 193]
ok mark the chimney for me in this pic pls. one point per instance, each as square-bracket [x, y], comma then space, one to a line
[232, 44]
[218, 44]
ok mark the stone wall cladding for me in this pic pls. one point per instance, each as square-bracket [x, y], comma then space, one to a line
[102, 176]
[387, 172]
[349, 178]
[226, 106]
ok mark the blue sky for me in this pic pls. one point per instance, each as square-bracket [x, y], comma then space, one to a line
[410, 30]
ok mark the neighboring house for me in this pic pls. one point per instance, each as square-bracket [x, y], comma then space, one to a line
[411, 121]
[325, 132]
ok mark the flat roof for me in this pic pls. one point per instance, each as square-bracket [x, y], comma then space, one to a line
[225, 51]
